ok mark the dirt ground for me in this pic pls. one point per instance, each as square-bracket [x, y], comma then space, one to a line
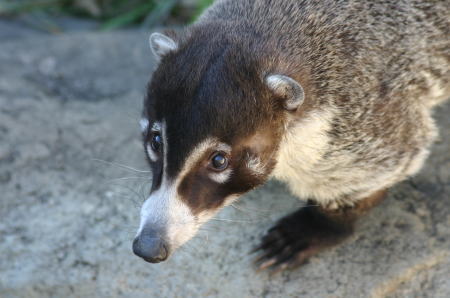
[68, 219]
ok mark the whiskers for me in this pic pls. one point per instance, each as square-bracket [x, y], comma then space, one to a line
[131, 189]
[128, 178]
[251, 211]
[137, 197]
[121, 166]
[233, 220]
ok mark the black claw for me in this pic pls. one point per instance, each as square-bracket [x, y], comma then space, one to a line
[267, 256]
[256, 249]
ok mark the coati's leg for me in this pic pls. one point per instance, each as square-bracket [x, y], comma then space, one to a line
[308, 231]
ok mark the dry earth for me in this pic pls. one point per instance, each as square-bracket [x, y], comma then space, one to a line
[67, 220]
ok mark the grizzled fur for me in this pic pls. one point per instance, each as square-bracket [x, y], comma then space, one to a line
[371, 69]
[366, 75]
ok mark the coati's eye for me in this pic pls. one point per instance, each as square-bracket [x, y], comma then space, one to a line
[156, 142]
[219, 162]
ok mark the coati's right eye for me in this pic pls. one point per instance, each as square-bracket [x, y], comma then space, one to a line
[156, 142]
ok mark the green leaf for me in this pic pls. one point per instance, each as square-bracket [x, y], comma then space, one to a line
[159, 12]
[201, 6]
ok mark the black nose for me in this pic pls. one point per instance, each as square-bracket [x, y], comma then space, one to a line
[151, 248]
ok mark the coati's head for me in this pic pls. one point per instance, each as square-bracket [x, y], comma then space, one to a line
[212, 121]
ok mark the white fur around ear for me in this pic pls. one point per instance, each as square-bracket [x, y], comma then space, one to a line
[288, 89]
[161, 44]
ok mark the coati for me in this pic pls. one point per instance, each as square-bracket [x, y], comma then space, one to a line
[332, 97]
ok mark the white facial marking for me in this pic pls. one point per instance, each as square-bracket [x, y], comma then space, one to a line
[143, 123]
[221, 177]
[154, 208]
[223, 147]
[156, 127]
[200, 150]
[151, 154]
[255, 165]
[164, 211]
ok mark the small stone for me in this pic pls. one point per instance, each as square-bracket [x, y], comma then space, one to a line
[34, 151]
[5, 153]
[5, 177]
[87, 208]
[47, 66]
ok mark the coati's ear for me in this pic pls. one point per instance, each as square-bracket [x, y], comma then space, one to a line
[287, 89]
[161, 45]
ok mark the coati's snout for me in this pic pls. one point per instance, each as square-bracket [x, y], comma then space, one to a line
[206, 137]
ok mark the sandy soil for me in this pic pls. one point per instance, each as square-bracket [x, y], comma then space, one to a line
[67, 220]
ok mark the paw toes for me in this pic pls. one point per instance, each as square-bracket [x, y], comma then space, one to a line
[266, 264]
[277, 263]
[297, 237]
[268, 253]
[281, 257]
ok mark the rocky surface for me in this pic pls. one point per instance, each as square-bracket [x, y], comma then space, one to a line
[68, 219]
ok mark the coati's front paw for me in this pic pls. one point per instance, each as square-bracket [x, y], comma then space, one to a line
[299, 236]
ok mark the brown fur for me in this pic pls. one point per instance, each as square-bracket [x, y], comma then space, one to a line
[371, 72]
